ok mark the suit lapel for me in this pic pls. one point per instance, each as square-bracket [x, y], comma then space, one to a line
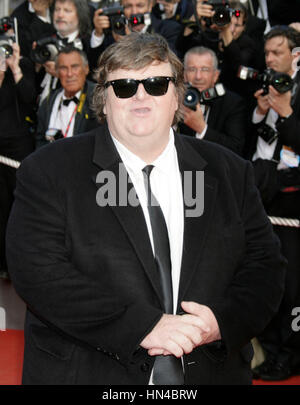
[130, 217]
[195, 228]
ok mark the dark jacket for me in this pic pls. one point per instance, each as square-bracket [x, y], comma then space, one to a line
[84, 119]
[226, 122]
[17, 102]
[87, 273]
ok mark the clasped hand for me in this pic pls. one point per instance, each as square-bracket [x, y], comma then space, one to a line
[181, 334]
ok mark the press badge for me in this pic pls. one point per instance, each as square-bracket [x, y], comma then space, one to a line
[289, 157]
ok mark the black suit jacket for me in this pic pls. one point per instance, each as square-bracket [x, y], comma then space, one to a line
[88, 275]
[227, 122]
[281, 12]
[84, 119]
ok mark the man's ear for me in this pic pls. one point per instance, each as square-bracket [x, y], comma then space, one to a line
[216, 75]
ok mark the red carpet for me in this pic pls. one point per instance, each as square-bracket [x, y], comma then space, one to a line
[11, 359]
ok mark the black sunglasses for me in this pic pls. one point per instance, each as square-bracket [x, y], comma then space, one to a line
[126, 88]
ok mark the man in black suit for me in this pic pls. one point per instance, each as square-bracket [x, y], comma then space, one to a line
[223, 119]
[71, 26]
[67, 111]
[124, 271]
[277, 12]
[17, 117]
[275, 151]
[34, 22]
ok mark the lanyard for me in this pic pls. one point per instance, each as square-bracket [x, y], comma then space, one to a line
[71, 119]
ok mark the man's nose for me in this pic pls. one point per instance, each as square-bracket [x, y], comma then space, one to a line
[134, 10]
[141, 92]
[199, 73]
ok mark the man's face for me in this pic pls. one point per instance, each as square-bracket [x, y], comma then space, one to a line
[142, 115]
[65, 18]
[72, 72]
[278, 55]
[237, 26]
[136, 7]
[199, 71]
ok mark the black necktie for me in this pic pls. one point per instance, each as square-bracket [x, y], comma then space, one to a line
[65, 41]
[167, 370]
[67, 101]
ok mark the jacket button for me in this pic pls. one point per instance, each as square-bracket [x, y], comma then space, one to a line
[145, 367]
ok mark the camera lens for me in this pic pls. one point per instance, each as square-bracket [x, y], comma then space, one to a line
[191, 98]
[7, 50]
[282, 82]
[221, 17]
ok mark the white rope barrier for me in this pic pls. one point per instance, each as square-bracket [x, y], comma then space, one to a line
[293, 223]
[9, 162]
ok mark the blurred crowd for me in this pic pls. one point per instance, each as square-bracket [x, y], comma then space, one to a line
[241, 61]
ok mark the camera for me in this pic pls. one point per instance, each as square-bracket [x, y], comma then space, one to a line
[193, 96]
[46, 50]
[52, 134]
[6, 45]
[223, 13]
[117, 18]
[6, 23]
[267, 133]
[281, 82]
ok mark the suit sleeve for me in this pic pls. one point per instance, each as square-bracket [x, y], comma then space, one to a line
[68, 299]
[233, 132]
[258, 284]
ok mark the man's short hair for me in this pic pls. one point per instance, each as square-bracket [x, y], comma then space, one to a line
[134, 52]
[292, 35]
[202, 50]
[70, 49]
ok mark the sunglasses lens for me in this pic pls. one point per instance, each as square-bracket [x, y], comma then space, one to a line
[124, 88]
[156, 86]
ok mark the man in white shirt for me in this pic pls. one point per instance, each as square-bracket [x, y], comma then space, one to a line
[67, 111]
[222, 119]
[275, 154]
[126, 281]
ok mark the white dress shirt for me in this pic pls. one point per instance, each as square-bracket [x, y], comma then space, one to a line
[62, 115]
[166, 185]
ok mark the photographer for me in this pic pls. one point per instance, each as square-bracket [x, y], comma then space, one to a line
[177, 10]
[224, 32]
[71, 21]
[67, 111]
[34, 22]
[223, 120]
[17, 101]
[275, 153]
[170, 30]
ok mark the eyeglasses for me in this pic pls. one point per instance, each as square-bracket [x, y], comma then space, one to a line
[203, 69]
[155, 86]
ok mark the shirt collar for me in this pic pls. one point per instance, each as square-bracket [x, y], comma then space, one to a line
[71, 37]
[163, 162]
[45, 19]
